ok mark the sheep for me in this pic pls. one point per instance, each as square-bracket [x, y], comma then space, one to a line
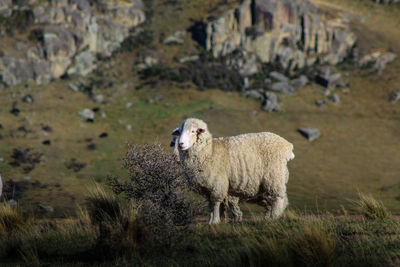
[249, 166]
[230, 201]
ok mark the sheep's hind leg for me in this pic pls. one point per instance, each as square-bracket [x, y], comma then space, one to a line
[235, 209]
[211, 213]
[278, 206]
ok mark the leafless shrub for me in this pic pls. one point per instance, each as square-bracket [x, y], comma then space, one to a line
[156, 182]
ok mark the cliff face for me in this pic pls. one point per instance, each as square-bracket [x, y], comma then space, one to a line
[288, 31]
[64, 36]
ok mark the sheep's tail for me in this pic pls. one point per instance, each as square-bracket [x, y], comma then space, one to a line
[290, 155]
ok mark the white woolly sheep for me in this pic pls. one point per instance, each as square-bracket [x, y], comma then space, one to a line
[229, 202]
[249, 166]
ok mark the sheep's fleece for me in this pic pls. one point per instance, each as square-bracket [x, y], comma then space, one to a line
[249, 166]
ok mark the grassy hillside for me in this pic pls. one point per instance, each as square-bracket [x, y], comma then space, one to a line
[358, 150]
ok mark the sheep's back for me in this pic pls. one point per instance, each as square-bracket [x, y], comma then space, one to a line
[252, 159]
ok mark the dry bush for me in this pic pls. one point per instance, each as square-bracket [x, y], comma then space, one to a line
[156, 183]
[11, 219]
[371, 208]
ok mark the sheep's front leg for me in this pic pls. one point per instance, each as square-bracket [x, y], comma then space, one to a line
[214, 216]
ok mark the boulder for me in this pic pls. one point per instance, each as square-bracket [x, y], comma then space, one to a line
[394, 96]
[86, 114]
[257, 94]
[175, 39]
[335, 98]
[282, 87]
[328, 78]
[277, 76]
[189, 59]
[320, 102]
[270, 102]
[28, 99]
[378, 60]
[300, 82]
[310, 133]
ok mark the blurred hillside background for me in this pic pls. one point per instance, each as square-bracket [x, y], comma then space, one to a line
[79, 79]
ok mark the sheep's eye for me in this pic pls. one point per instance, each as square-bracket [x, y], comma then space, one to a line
[192, 131]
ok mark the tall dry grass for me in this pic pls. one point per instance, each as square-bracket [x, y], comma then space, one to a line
[371, 208]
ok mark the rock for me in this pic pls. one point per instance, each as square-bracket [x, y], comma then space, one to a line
[46, 208]
[86, 114]
[189, 59]
[394, 96]
[147, 63]
[98, 98]
[378, 60]
[128, 105]
[91, 147]
[277, 76]
[175, 38]
[290, 33]
[6, 8]
[66, 36]
[103, 135]
[327, 78]
[282, 87]
[73, 87]
[257, 94]
[335, 98]
[155, 99]
[47, 128]
[27, 178]
[14, 110]
[310, 133]
[300, 82]
[128, 127]
[28, 99]
[244, 63]
[46, 142]
[320, 102]
[270, 102]
[84, 63]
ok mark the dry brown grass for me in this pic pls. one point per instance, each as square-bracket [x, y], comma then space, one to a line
[371, 208]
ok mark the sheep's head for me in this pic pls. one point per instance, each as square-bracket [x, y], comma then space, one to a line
[189, 132]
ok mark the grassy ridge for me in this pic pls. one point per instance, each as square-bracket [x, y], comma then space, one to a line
[110, 231]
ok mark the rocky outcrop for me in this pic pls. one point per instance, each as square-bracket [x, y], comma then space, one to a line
[291, 32]
[66, 35]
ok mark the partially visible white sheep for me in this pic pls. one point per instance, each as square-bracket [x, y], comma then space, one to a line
[229, 202]
[249, 166]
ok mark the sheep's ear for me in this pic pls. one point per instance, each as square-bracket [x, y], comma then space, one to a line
[200, 130]
[172, 144]
[176, 132]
